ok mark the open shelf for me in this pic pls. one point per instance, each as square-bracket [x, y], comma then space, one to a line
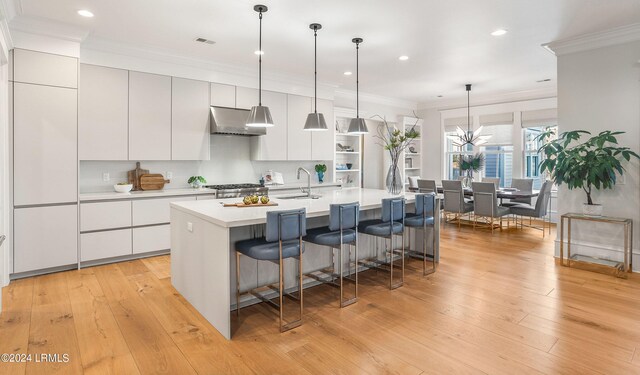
[347, 170]
[412, 169]
[347, 153]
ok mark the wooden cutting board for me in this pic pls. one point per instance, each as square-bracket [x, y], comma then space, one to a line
[134, 176]
[250, 205]
[153, 181]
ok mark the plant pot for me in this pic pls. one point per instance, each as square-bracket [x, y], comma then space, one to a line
[196, 184]
[320, 177]
[592, 209]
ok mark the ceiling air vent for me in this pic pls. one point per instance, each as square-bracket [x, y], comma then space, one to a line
[206, 41]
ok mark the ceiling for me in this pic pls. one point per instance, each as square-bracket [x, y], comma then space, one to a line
[448, 42]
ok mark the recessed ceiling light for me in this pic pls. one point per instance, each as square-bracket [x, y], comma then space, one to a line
[205, 40]
[85, 13]
[347, 73]
[499, 32]
[258, 52]
[403, 58]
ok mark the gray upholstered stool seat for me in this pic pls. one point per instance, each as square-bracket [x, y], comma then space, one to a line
[414, 220]
[326, 237]
[377, 227]
[261, 249]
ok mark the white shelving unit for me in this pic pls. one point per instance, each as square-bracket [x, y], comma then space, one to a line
[412, 165]
[348, 156]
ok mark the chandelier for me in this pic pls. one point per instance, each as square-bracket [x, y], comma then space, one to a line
[468, 137]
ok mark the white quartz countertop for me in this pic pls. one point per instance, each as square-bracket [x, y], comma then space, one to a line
[214, 212]
[84, 197]
[297, 186]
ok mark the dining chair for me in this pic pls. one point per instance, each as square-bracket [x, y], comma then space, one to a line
[494, 180]
[427, 186]
[522, 184]
[540, 210]
[389, 225]
[485, 205]
[282, 240]
[454, 202]
[342, 230]
[424, 218]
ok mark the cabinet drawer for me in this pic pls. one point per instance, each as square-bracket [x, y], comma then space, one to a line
[45, 237]
[105, 215]
[154, 211]
[101, 245]
[151, 238]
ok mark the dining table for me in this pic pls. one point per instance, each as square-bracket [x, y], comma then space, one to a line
[502, 193]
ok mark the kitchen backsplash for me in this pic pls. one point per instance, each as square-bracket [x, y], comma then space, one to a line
[230, 163]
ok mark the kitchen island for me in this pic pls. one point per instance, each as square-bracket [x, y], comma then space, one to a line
[203, 234]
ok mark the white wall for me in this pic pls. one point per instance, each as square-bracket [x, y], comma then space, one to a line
[599, 90]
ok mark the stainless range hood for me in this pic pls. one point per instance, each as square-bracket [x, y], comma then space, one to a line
[232, 121]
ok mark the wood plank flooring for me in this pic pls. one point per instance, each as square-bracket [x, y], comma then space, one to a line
[498, 304]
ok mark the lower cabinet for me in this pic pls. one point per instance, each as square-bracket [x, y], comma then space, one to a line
[107, 244]
[45, 237]
[154, 238]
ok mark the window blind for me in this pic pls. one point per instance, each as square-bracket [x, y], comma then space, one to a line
[497, 119]
[500, 134]
[450, 124]
[540, 118]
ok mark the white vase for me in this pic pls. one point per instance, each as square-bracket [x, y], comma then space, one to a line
[592, 209]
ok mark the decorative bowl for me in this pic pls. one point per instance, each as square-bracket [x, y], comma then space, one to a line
[349, 165]
[123, 188]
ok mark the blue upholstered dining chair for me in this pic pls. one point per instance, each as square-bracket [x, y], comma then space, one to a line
[282, 240]
[342, 230]
[389, 225]
[423, 218]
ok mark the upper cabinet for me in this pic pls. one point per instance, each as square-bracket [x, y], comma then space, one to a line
[223, 95]
[247, 98]
[322, 142]
[45, 69]
[45, 144]
[149, 116]
[298, 139]
[103, 117]
[189, 119]
[273, 145]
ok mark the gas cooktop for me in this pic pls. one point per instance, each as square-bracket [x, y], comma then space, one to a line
[237, 190]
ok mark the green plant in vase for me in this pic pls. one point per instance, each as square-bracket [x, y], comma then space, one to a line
[196, 181]
[594, 163]
[470, 164]
[395, 142]
[321, 169]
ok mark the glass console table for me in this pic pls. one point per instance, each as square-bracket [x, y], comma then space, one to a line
[616, 268]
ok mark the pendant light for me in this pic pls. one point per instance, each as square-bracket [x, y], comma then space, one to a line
[357, 125]
[260, 116]
[315, 121]
[463, 138]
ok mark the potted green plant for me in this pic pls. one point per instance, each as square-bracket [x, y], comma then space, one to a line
[196, 181]
[594, 163]
[470, 164]
[320, 170]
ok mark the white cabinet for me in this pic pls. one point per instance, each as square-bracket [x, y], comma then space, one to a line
[246, 97]
[108, 244]
[323, 142]
[45, 237]
[154, 211]
[189, 119]
[298, 139]
[103, 113]
[273, 145]
[105, 215]
[45, 144]
[149, 116]
[223, 95]
[42, 68]
[155, 238]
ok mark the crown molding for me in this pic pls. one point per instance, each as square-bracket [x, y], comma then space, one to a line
[376, 99]
[611, 37]
[48, 28]
[6, 14]
[11, 9]
[489, 99]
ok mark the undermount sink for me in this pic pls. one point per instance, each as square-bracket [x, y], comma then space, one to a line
[300, 196]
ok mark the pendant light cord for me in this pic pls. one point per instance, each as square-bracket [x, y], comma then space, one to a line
[357, 80]
[260, 63]
[315, 67]
[468, 111]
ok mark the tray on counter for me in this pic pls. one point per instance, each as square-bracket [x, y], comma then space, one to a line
[250, 205]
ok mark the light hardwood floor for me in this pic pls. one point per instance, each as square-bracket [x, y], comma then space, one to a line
[497, 305]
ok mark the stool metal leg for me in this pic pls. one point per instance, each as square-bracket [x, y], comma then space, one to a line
[237, 283]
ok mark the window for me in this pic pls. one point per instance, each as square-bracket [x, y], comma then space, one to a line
[532, 158]
[452, 156]
[498, 163]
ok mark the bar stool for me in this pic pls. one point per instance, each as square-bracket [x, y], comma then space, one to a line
[424, 218]
[390, 224]
[343, 221]
[283, 239]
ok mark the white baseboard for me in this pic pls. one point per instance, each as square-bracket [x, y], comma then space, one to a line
[603, 251]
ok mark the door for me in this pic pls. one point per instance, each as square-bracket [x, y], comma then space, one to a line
[189, 119]
[149, 116]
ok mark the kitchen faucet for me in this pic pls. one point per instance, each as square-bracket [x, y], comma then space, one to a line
[308, 180]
